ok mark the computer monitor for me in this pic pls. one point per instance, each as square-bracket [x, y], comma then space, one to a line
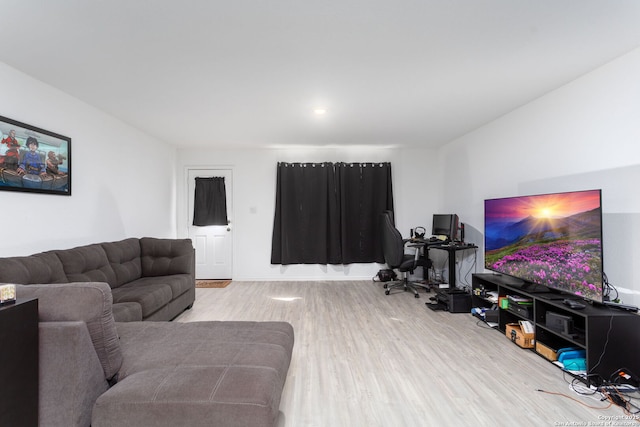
[445, 225]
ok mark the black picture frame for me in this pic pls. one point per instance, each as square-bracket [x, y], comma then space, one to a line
[34, 160]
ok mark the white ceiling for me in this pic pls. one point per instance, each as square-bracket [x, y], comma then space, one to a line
[248, 73]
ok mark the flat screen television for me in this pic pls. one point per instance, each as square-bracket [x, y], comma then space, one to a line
[445, 225]
[553, 240]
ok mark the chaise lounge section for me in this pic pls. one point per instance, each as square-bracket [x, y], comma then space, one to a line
[96, 372]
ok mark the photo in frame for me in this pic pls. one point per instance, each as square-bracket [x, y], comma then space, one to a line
[33, 160]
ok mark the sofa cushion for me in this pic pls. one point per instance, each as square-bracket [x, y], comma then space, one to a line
[87, 302]
[87, 264]
[179, 283]
[151, 297]
[127, 312]
[151, 345]
[198, 374]
[194, 396]
[124, 257]
[164, 257]
[39, 268]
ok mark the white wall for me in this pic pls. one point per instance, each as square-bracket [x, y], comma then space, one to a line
[122, 179]
[585, 135]
[254, 180]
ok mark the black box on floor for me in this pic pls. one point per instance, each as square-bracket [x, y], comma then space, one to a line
[455, 300]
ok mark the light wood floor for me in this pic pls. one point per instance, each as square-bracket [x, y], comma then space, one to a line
[362, 358]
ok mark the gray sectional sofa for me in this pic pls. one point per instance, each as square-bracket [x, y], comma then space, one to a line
[95, 371]
[150, 279]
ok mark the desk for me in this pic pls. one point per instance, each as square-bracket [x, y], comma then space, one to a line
[452, 249]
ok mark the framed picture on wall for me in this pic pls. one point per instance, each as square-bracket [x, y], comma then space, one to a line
[34, 160]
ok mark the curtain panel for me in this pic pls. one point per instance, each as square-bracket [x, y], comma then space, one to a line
[327, 213]
[210, 202]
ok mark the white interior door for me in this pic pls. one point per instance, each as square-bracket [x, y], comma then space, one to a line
[213, 243]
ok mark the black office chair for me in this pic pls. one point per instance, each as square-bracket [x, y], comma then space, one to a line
[393, 248]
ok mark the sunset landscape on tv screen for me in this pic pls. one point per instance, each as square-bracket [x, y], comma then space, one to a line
[553, 240]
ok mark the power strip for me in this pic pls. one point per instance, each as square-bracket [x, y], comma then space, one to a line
[620, 388]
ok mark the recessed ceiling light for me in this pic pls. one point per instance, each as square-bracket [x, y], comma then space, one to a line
[319, 111]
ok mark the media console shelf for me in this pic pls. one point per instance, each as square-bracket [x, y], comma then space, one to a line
[610, 337]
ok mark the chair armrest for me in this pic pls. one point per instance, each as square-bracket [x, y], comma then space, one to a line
[417, 245]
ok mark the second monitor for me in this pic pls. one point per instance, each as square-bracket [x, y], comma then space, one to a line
[445, 225]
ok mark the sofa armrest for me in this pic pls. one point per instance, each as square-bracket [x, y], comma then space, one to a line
[165, 257]
[71, 375]
[89, 302]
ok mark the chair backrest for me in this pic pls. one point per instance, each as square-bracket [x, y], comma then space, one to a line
[391, 215]
[392, 243]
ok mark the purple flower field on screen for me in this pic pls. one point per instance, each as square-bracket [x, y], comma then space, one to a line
[567, 265]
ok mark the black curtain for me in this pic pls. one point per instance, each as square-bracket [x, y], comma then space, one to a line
[366, 192]
[210, 202]
[305, 230]
[328, 213]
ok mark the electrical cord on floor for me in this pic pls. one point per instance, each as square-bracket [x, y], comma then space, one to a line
[616, 394]
[623, 400]
[579, 381]
[606, 392]
[634, 402]
[575, 400]
[577, 386]
[622, 394]
[481, 323]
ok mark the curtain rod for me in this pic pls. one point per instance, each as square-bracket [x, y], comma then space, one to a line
[323, 164]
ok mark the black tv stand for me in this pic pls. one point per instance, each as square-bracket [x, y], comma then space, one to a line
[610, 337]
[631, 308]
[519, 283]
[551, 296]
[528, 287]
